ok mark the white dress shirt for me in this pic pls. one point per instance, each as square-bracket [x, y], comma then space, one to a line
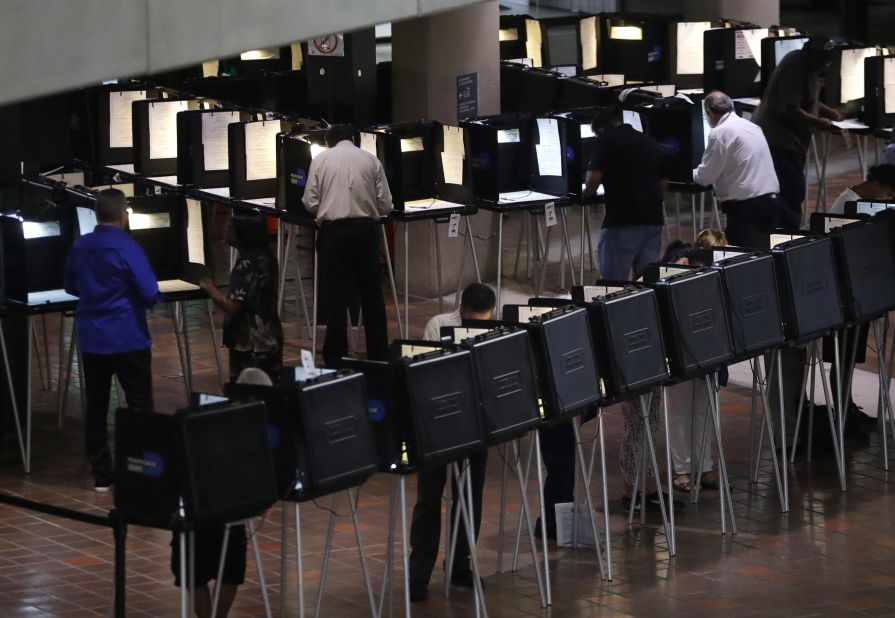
[346, 182]
[737, 161]
[848, 195]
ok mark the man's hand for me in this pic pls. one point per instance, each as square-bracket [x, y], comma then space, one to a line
[825, 124]
[205, 283]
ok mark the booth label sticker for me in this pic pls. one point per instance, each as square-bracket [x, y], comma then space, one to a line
[151, 464]
[299, 177]
[307, 361]
[376, 410]
[550, 214]
[454, 225]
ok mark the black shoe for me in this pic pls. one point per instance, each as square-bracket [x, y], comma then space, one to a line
[856, 416]
[652, 503]
[551, 531]
[419, 591]
[464, 579]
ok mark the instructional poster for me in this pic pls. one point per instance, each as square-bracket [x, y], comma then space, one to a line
[121, 131]
[261, 149]
[214, 139]
[163, 128]
[690, 47]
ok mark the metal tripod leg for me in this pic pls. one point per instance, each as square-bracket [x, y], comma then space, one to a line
[209, 306]
[176, 323]
[543, 585]
[579, 453]
[12, 397]
[499, 258]
[391, 278]
[781, 475]
[250, 528]
[220, 573]
[715, 411]
[465, 507]
[284, 265]
[883, 371]
[526, 476]
[298, 562]
[361, 551]
[327, 550]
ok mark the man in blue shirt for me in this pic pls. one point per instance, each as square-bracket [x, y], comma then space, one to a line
[115, 285]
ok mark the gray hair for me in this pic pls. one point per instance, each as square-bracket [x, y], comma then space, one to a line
[718, 103]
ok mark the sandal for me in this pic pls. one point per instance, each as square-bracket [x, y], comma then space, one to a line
[681, 482]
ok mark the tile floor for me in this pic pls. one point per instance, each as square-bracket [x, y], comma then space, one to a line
[831, 554]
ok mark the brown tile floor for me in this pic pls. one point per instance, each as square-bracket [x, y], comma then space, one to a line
[830, 555]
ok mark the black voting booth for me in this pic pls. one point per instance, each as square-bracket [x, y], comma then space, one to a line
[678, 127]
[252, 155]
[564, 357]
[694, 319]
[773, 50]
[627, 337]
[749, 283]
[876, 113]
[295, 151]
[341, 74]
[561, 39]
[320, 430]
[578, 136]
[808, 287]
[114, 120]
[585, 92]
[505, 159]
[423, 405]
[528, 89]
[505, 379]
[635, 46]
[202, 132]
[865, 264]
[155, 135]
[520, 37]
[844, 86]
[729, 62]
[216, 458]
[412, 157]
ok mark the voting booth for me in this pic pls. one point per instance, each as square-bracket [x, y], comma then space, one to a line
[252, 148]
[320, 430]
[423, 404]
[505, 379]
[588, 91]
[161, 459]
[564, 357]
[341, 74]
[155, 135]
[732, 61]
[679, 126]
[865, 262]
[773, 50]
[528, 89]
[627, 337]
[202, 146]
[295, 151]
[561, 39]
[520, 38]
[576, 131]
[808, 286]
[516, 159]
[685, 51]
[426, 165]
[635, 46]
[844, 84]
[879, 91]
[114, 120]
[35, 246]
[695, 326]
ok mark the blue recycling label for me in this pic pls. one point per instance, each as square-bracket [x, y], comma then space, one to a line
[376, 410]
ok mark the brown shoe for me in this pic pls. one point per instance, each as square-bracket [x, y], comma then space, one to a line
[710, 480]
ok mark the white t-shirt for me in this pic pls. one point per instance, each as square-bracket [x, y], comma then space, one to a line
[433, 326]
[848, 195]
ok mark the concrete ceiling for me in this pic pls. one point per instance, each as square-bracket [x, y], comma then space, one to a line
[51, 46]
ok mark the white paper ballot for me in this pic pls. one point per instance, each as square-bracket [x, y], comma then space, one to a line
[533, 41]
[587, 131]
[549, 159]
[163, 128]
[871, 208]
[170, 286]
[453, 140]
[851, 73]
[452, 165]
[689, 46]
[507, 136]
[889, 104]
[121, 130]
[86, 220]
[261, 150]
[214, 139]
[753, 38]
[548, 131]
[852, 124]
[632, 118]
[889, 71]
[412, 144]
[195, 237]
[368, 142]
[149, 221]
[588, 32]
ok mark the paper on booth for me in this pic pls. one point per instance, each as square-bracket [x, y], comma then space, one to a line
[195, 238]
[690, 46]
[453, 140]
[368, 142]
[214, 139]
[533, 41]
[549, 159]
[452, 166]
[121, 130]
[261, 150]
[588, 32]
[548, 131]
[163, 128]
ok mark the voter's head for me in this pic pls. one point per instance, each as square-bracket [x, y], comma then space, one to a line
[111, 208]
[606, 118]
[717, 105]
[338, 133]
[883, 177]
[477, 302]
[819, 51]
[248, 230]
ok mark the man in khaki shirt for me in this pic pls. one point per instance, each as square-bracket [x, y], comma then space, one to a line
[347, 192]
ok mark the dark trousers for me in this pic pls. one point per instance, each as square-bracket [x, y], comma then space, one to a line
[349, 258]
[749, 220]
[558, 452]
[134, 373]
[790, 168]
[425, 529]
[270, 363]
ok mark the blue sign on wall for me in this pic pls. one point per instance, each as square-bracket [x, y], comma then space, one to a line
[467, 96]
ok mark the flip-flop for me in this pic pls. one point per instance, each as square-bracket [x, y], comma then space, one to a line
[681, 482]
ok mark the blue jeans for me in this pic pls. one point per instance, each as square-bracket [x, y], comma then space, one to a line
[626, 248]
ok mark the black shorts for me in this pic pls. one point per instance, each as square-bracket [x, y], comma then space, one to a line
[208, 552]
